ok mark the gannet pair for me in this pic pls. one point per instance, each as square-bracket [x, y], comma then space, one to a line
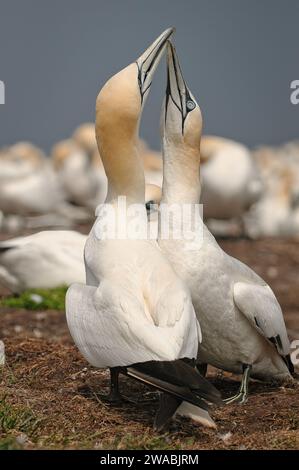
[44, 260]
[242, 324]
[135, 315]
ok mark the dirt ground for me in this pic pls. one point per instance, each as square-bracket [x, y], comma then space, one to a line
[51, 398]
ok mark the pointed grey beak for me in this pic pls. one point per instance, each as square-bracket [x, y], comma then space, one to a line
[149, 60]
[177, 90]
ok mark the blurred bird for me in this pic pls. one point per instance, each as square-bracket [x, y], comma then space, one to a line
[19, 160]
[230, 178]
[28, 184]
[44, 260]
[241, 320]
[85, 138]
[134, 315]
[76, 172]
[152, 162]
[276, 213]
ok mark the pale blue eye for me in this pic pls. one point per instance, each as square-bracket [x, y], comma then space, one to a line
[190, 105]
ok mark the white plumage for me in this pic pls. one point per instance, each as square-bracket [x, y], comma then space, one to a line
[134, 308]
[239, 315]
[139, 312]
[44, 260]
[230, 178]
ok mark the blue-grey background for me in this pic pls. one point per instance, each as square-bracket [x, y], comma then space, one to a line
[238, 56]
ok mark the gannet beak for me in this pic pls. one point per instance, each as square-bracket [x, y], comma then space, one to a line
[149, 60]
[177, 90]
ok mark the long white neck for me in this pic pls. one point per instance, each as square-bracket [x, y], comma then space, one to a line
[181, 177]
[118, 148]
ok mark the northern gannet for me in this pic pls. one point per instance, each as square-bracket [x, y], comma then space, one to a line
[76, 173]
[19, 161]
[134, 315]
[226, 195]
[242, 323]
[85, 137]
[28, 184]
[44, 260]
[276, 213]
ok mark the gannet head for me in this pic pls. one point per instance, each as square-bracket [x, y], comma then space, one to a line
[85, 137]
[20, 160]
[63, 151]
[118, 111]
[181, 119]
[153, 196]
[120, 101]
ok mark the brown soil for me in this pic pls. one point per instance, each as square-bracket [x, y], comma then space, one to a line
[46, 375]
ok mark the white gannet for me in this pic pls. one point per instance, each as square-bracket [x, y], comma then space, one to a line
[227, 194]
[19, 161]
[134, 315]
[242, 323]
[276, 213]
[28, 184]
[44, 260]
[85, 137]
[76, 173]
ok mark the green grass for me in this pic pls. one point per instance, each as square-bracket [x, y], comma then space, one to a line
[16, 418]
[50, 299]
[9, 443]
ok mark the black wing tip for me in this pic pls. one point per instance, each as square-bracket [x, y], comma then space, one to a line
[289, 364]
[5, 248]
[167, 407]
[179, 378]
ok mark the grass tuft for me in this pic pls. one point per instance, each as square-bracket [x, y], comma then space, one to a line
[9, 443]
[37, 299]
[17, 418]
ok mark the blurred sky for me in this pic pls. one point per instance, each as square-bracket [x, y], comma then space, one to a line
[238, 57]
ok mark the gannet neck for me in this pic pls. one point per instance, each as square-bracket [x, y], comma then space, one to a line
[123, 167]
[118, 113]
[181, 176]
[181, 126]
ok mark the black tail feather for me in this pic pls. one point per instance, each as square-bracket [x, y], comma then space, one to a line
[177, 378]
[289, 364]
[167, 408]
[4, 248]
[180, 392]
[180, 374]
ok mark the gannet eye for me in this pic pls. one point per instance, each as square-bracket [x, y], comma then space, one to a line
[190, 105]
[149, 205]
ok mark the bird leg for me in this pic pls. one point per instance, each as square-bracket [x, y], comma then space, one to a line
[243, 392]
[202, 368]
[114, 395]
